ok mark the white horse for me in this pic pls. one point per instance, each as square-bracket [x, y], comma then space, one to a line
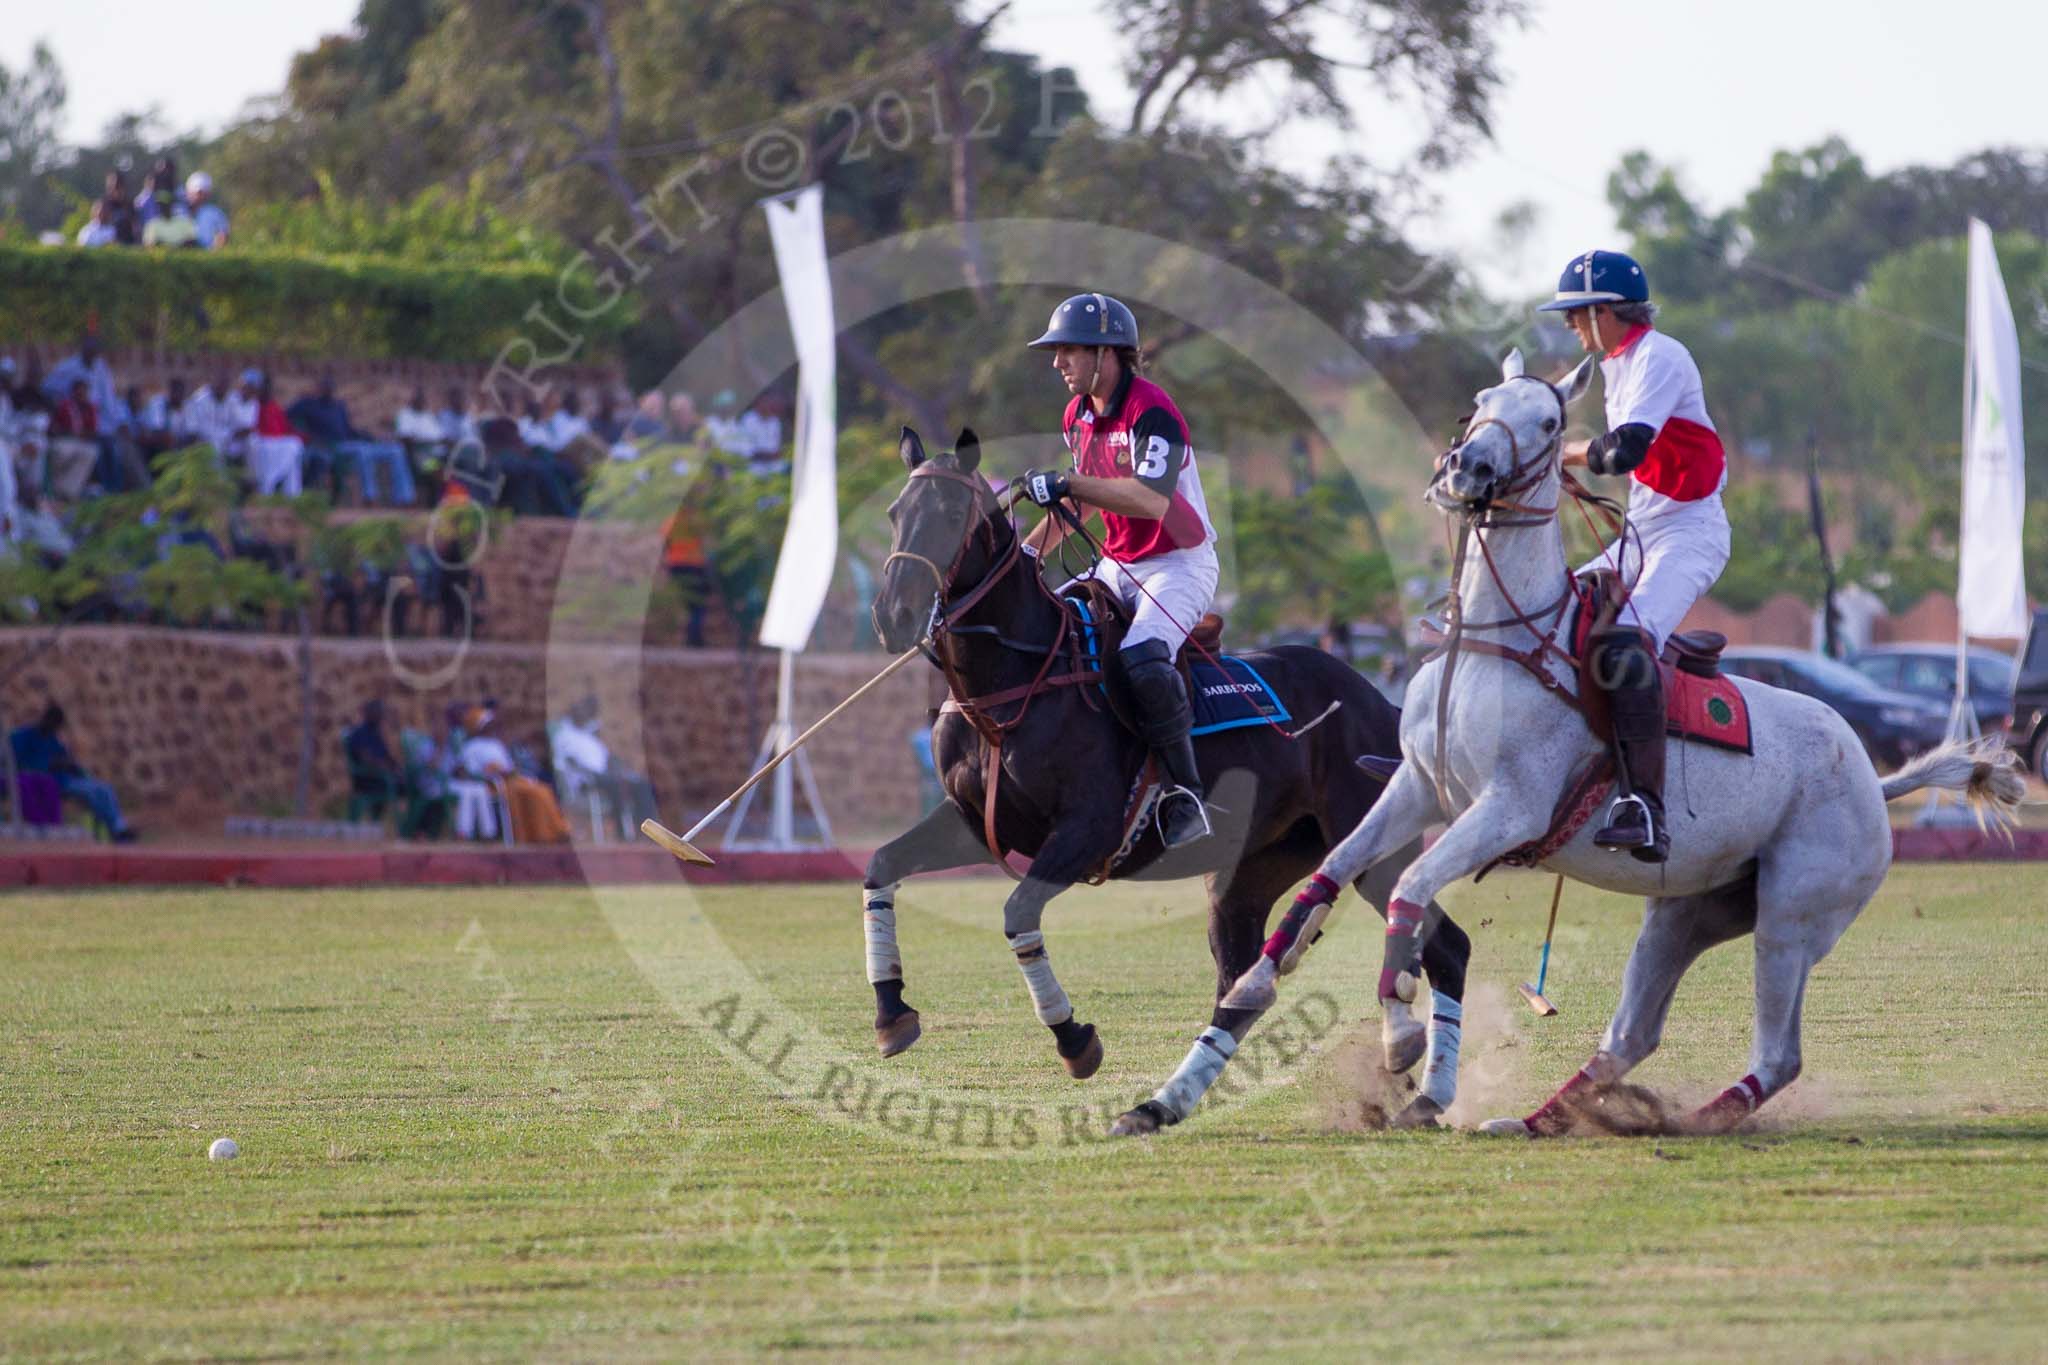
[1788, 844]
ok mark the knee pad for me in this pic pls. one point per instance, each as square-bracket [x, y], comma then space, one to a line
[1162, 701]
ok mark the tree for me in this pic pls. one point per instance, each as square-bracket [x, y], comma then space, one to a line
[31, 107]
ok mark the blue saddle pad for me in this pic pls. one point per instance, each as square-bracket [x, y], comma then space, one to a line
[1230, 694]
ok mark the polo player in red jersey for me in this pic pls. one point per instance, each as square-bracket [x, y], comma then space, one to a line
[1134, 463]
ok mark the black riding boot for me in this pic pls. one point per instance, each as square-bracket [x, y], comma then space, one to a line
[1163, 723]
[1627, 671]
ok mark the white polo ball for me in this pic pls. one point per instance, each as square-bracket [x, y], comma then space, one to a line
[223, 1149]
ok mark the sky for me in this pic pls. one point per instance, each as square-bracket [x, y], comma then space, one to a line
[1714, 88]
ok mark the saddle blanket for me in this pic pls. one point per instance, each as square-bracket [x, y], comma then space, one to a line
[1231, 696]
[1706, 710]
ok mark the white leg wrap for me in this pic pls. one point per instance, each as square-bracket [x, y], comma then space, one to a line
[1203, 1064]
[884, 962]
[1440, 1071]
[1047, 996]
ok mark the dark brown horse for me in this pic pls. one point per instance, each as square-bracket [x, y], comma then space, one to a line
[1026, 714]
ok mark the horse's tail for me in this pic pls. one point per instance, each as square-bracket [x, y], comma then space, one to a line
[1985, 771]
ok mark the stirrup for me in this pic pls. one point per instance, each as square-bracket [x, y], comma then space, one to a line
[1648, 837]
[1169, 793]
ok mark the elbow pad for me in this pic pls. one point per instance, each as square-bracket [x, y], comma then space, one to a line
[1620, 450]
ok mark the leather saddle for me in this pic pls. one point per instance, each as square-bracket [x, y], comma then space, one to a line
[1690, 663]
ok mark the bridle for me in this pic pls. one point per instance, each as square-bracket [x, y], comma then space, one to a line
[982, 508]
[1505, 498]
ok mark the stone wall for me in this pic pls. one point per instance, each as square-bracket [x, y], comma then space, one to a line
[191, 726]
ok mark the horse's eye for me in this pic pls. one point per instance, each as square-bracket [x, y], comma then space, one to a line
[1550, 424]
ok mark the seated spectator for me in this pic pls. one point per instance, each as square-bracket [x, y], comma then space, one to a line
[209, 416]
[476, 807]
[161, 196]
[39, 529]
[37, 749]
[375, 778]
[99, 229]
[647, 425]
[74, 449]
[457, 424]
[426, 447]
[277, 453]
[760, 432]
[120, 206]
[209, 220]
[85, 363]
[323, 419]
[430, 796]
[608, 426]
[536, 819]
[583, 760]
[537, 481]
[160, 422]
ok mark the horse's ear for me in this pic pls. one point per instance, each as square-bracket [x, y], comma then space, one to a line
[1576, 383]
[1511, 368]
[967, 450]
[911, 448]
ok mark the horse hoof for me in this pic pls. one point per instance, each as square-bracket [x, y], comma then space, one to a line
[1089, 1060]
[1422, 1112]
[1404, 1039]
[898, 1034]
[1506, 1128]
[1255, 990]
[1147, 1119]
[1723, 1114]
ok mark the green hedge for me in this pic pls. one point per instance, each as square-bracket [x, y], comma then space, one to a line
[236, 300]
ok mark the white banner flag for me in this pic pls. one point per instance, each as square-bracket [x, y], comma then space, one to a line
[810, 543]
[1991, 588]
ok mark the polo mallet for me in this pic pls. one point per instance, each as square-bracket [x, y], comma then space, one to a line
[1534, 994]
[681, 845]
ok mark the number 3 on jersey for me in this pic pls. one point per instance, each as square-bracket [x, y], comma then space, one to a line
[1153, 464]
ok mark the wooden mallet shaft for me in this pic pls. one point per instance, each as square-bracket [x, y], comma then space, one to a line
[683, 845]
[1534, 994]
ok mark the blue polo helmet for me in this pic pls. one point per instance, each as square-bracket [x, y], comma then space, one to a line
[1089, 320]
[1598, 277]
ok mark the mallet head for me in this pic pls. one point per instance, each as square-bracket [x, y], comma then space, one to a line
[1537, 1002]
[675, 843]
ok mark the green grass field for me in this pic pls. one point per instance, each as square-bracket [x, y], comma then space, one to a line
[650, 1124]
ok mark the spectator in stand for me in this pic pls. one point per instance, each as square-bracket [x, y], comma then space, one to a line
[277, 453]
[374, 774]
[74, 446]
[28, 394]
[38, 749]
[536, 818]
[647, 425]
[536, 479]
[161, 424]
[161, 196]
[608, 426]
[120, 206]
[475, 809]
[242, 408]
[99, 229]
[85, 363]
[456, 423]
[120, 450]
[208, 416]
[760, 432]
[209, 220]
[420, 432]
[689, 567]
[323, 418]
[685, 426]
[583, 760]
[723, 424]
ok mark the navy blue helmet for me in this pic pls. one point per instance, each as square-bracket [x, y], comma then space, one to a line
[1089, 320]
[1598, 277]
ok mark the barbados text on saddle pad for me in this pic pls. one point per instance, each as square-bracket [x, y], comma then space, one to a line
[1230, 693]
[1708, 710]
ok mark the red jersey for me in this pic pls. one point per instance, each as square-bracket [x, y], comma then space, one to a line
[1140, 434]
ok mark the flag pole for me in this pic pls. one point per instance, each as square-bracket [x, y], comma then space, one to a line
[1962, 720]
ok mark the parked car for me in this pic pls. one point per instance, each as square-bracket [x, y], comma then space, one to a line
[1894, 726]
[2029, 732]
[1929, 670]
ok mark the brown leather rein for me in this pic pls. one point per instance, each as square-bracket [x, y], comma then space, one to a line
[945, 616]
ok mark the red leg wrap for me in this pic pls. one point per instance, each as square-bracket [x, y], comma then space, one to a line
[1319, 891]
[1731, 1106]
[1404, 930]
[1554, 1119]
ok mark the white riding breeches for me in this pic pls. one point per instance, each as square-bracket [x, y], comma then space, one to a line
[1684, 549]
[1178, 588]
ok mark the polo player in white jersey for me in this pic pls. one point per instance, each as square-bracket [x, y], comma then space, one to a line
[1659, 434]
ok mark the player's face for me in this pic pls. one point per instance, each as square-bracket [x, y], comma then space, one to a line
[1082, 366]
[1595, 327]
